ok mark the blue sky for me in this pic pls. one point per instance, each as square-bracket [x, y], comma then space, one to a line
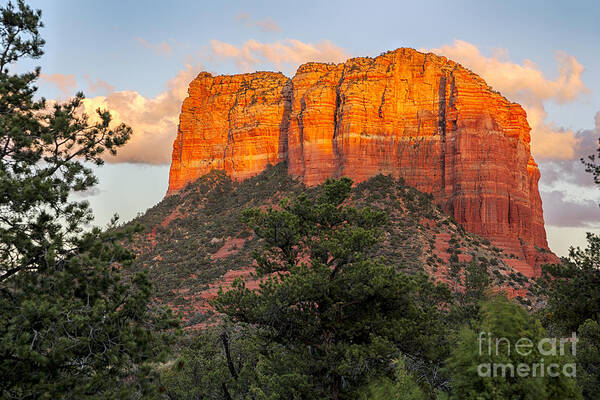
[137, 58]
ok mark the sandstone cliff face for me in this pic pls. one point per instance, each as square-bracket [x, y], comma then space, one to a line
[235, 123]
[412, 115]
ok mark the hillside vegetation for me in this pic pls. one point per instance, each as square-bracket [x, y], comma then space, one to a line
[194, 241]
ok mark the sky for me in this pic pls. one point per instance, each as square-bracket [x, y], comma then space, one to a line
[136, 58]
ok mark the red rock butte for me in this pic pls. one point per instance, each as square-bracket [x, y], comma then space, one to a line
[417, 116]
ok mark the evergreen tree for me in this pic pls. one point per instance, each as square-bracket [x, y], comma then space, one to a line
[588, 359]
[330, 316]
[402, 387]
[216, 363]
[572, 291]
[572, 288]
[71, 327]
[486, 362]
[473, 285]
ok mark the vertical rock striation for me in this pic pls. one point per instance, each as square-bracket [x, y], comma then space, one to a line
[416, 116]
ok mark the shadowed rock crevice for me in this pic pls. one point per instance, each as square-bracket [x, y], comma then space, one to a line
[442, 127]
[286, 94]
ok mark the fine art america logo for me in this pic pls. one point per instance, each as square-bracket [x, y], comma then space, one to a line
[526, 358]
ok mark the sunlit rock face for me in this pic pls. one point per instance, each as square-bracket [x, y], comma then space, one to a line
[235, 123]
[417, 116]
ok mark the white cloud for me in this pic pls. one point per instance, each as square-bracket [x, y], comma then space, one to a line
[242, 17]
[268, 25]
[98, 85]
[559, 210]
[569, 194]
[527, 84]
[549, 142]
[65, 83]
[153, 120]
[289, 53]
[162, 48]
[265, 25]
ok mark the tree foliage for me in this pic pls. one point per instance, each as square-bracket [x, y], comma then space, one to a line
[71, 326]
[572, 288]
[402, 387]
[485, 362]
[334, 316]
[218, 363]
[473, 288]
[588, 359]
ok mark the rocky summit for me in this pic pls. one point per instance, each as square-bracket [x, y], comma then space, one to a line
[415, 116]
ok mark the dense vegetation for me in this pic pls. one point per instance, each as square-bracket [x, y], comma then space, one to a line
[192, 238]
[363, 291]
[333, 318]
[71, 326]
